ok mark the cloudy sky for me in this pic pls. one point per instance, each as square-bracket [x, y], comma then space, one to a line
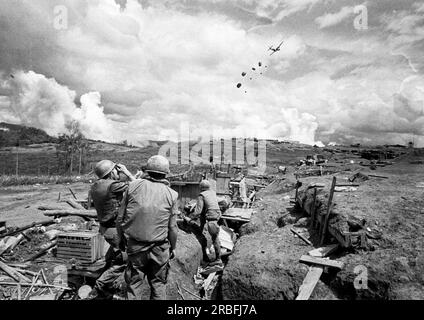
[137, 70]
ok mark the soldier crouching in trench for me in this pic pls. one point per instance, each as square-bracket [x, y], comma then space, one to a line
[208, 211]
[107, 193]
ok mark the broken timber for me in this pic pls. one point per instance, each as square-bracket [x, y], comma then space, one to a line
[74, 204]
[301, 237]
[37, 285]
[73, 194]
[322, 262]
[208, 281]
[13, 273]
[91, 214]
[330, 200]
[309, 282]
[376, 176]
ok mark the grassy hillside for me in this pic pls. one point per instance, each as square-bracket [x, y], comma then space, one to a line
[14, 135]
[40, 158]
[37, 152]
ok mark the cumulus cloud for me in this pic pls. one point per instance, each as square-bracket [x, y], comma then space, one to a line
[302, 127]
[293, 6]
[35, 100]
[135, 71]
[331, 19]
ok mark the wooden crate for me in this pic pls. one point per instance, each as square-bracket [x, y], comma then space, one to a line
[81, 246]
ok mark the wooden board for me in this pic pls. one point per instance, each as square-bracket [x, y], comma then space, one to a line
[322, 262]
[326, 217]
[234, 219]
[225, 237]
[13, 273]
[323, 251]
[301, 236]
[239, 213]
[208, 281]
[309, 283]
[44, 297]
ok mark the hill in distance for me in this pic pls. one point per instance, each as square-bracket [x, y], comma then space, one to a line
[12, 135]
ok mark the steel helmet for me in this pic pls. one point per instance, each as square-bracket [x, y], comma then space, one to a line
[158, 164]
[205, 185]
[103, 168]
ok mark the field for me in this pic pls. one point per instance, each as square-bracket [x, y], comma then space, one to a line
[42, 160]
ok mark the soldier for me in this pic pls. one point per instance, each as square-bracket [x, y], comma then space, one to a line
[148, 220]
[107, 193]
[207, 209]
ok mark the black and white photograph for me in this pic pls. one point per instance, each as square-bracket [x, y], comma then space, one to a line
[203, 152]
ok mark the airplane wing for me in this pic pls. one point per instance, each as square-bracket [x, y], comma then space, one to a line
[273, 53]
[280, 44]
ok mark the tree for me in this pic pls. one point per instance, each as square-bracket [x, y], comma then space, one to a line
[72, 149]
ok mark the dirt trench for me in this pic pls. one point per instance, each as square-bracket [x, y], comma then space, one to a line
[265, 263]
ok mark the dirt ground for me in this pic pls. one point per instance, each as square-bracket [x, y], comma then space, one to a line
[266, 265]
[19, 207]
[18, 204]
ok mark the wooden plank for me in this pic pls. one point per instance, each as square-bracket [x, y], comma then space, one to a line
[309, 283]
[208, 281]
[73, 194]
[44, 297]
[376, 176]
[75, 253]
[235, 219]
[322, 262]
[37, 285]
[225, 237]
[324, 251]
[313, 217]
[74, 204]
[76, 258]
[13, 273]
[76, 250]
[72, 212]
[330, 201]
[301, 237]
[239, 213]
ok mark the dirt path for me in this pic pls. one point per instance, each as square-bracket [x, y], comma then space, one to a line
[18, 204]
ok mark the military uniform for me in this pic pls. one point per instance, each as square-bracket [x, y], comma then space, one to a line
[149, 206]
[107, 195]
[207, 209]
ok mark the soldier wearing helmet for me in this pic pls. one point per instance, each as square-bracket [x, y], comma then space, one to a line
[148, 220]
[207, 209]
[107, 193]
